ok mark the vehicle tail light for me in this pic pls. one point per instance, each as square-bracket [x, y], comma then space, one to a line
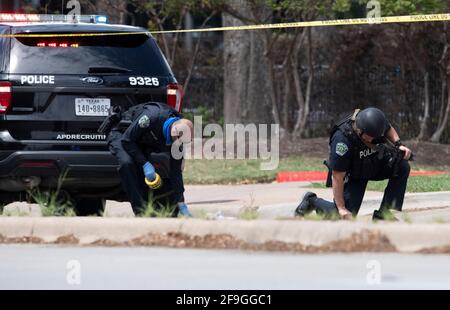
[5, 96]
[175, 96]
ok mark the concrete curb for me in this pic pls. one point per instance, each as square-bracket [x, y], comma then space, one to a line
[404, 237]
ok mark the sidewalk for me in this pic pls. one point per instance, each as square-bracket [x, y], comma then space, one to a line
[273, 201]
[279, 200]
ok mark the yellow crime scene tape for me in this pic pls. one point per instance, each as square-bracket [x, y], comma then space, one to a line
[319, 23]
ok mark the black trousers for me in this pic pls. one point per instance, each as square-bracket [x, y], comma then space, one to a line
[354, 190]
[132, 177]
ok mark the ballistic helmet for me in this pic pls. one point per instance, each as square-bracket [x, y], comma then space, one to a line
[372, 122]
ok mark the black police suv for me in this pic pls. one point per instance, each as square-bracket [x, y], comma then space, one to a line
[55, 91]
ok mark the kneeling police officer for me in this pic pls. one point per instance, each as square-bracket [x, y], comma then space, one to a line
[357, 156]
[154, 128]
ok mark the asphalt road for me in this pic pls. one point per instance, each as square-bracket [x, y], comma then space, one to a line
[51, 267]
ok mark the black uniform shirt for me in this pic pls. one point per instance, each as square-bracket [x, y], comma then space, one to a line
[131, 140]
[340, 152]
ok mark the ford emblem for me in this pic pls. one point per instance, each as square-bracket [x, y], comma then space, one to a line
[92, 80]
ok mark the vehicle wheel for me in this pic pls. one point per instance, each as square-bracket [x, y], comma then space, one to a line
[89, 206]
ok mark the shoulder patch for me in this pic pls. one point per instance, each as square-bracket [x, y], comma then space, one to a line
[341, 149]
[144, 121]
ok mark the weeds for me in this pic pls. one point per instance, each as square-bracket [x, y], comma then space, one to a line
[155, 208]
[248, 213]
[202, 214]
[53, 203]
[322, 217]
[406, 217]
[439, 220]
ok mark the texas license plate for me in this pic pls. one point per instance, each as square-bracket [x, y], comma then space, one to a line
[92, 106]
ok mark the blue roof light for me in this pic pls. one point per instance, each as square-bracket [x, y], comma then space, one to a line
[101, 19]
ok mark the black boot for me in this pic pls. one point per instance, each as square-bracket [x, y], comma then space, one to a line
[306, 206]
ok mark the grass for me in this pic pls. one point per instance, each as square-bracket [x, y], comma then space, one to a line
[439, 220]
[244, 171]
[155, 208]
[406, 217]
[158, 211]
[53, 203]
[248, 213]
[313, 216]
[248, 172]
[416, 184]
[201, 214]
[419, 184]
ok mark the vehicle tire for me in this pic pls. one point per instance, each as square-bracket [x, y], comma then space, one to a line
[89, 206]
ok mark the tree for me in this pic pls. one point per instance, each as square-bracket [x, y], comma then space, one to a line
[247, 81]
[419, 53]
[289, 57]
[444, 66]
[276, 49]
[115, 10]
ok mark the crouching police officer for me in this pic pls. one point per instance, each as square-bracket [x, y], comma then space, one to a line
[355, 158]
[154, 128]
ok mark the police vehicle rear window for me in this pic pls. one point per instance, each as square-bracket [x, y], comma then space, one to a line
[137, 53]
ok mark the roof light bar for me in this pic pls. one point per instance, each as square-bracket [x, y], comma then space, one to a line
[30, 18]
[101, 19]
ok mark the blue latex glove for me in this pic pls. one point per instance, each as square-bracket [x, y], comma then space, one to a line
[149, 171]
[183, 209]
